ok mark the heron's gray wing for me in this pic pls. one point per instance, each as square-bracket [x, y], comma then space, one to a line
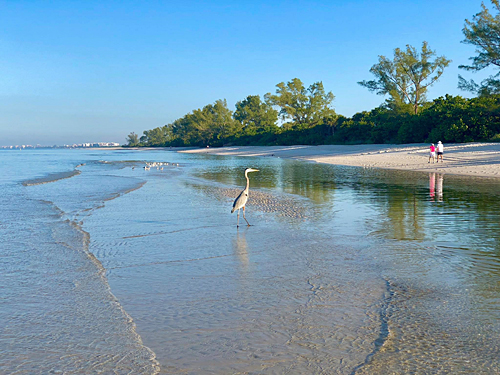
[240, 201]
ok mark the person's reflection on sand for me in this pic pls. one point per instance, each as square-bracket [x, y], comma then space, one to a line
[240, 248]
[432, 185]
[439, 187]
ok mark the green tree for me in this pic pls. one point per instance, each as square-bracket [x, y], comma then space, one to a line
[255, 116]
[196, 127]
[183, 130]
[132, 140]
[160, 136]
[306, 108]
[211, 125]
[483, 32]
[407, 76]
[223, 123]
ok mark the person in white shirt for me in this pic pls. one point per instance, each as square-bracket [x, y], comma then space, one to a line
[439, 152]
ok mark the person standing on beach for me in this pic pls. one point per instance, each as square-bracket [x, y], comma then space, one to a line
[432, 153]
[439, 152]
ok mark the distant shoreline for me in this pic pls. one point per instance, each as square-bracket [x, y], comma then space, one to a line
[469, 159]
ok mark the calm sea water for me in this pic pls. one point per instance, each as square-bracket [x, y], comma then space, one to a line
[108, 268]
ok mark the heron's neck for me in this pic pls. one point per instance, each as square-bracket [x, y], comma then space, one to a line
[248, 181]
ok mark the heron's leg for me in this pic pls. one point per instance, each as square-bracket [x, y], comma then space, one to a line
[238, 220]
[244, 216]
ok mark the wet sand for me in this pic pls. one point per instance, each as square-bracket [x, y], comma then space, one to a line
[471, 159]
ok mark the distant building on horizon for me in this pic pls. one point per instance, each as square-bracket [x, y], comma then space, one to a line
[74, 145]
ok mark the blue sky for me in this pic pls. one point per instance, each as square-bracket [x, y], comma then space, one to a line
[85, 71]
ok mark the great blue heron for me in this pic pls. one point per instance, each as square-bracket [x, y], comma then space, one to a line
[242, 198]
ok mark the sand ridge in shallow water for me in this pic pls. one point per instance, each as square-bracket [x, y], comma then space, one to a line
[52, 177]
[262, 201]
[407, 347]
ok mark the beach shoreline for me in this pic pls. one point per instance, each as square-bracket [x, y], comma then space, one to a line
[467, 159]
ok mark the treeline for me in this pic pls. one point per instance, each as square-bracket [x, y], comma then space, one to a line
[450, 119]
[296, 114]
[302, 113]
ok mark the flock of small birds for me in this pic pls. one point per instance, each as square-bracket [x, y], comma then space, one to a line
[159, 165]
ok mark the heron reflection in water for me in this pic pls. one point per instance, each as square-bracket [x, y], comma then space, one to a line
[242, 199]
[240, 248]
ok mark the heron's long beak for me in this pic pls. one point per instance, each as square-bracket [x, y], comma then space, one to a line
[253, 170]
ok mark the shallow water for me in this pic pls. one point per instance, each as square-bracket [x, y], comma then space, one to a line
[344, 270]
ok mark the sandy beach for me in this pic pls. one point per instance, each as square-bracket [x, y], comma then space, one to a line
[471, 159]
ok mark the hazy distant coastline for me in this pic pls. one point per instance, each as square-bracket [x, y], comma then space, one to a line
[94, 145]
